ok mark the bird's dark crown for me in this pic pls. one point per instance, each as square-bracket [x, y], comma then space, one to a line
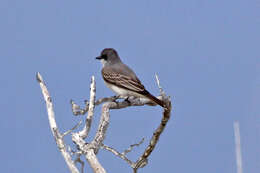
[109, 52]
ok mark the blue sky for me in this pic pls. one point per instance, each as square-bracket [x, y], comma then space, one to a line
[205, 52]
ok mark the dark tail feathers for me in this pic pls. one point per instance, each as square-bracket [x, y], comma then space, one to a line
[156, 100]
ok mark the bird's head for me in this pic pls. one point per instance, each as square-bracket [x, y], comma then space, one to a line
[108, 56]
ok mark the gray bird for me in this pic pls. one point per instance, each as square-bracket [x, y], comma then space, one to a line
[121, 79]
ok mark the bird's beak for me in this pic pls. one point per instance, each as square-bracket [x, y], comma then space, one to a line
[99, 58]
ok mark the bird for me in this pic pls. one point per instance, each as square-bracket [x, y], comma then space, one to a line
[122, 79]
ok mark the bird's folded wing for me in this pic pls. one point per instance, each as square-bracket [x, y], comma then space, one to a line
[123, 81]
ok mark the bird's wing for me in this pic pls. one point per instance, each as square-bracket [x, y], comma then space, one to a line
[127, 79]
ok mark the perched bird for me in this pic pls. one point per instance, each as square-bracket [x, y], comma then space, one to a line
[121, 79]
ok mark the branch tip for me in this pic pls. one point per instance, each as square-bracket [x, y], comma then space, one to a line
[92, 79]
[39, 77]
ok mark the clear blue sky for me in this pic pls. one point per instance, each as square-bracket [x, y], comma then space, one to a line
[206, 54]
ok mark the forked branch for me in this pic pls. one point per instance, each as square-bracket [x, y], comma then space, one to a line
[54, 128]
[90, 149]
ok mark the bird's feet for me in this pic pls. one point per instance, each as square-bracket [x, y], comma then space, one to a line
[126, 98]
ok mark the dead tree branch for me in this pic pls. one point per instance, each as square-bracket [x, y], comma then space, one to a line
[143, 159]
[90, 150]
[54, 128]
[85, 131]
[132, 146]
[117, 153]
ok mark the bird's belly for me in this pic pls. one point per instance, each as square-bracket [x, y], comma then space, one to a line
[122, 91]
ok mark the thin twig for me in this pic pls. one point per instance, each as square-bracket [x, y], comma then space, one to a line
[121, 155]
[162, 93]
[132, 146]
[76, 108]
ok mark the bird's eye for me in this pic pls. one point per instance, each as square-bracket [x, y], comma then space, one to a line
[104, 57]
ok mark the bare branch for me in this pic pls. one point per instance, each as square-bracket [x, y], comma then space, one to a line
[121, 155]
[88, 151]
[155, 138]
[132, 146]
[102, 127]
[159, 86]
[85, 131]
[143, 160]
[106, 99]
[133, 102]
[76, 108]
[55, 132]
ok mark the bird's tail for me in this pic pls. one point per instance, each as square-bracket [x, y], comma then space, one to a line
[155, 100]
